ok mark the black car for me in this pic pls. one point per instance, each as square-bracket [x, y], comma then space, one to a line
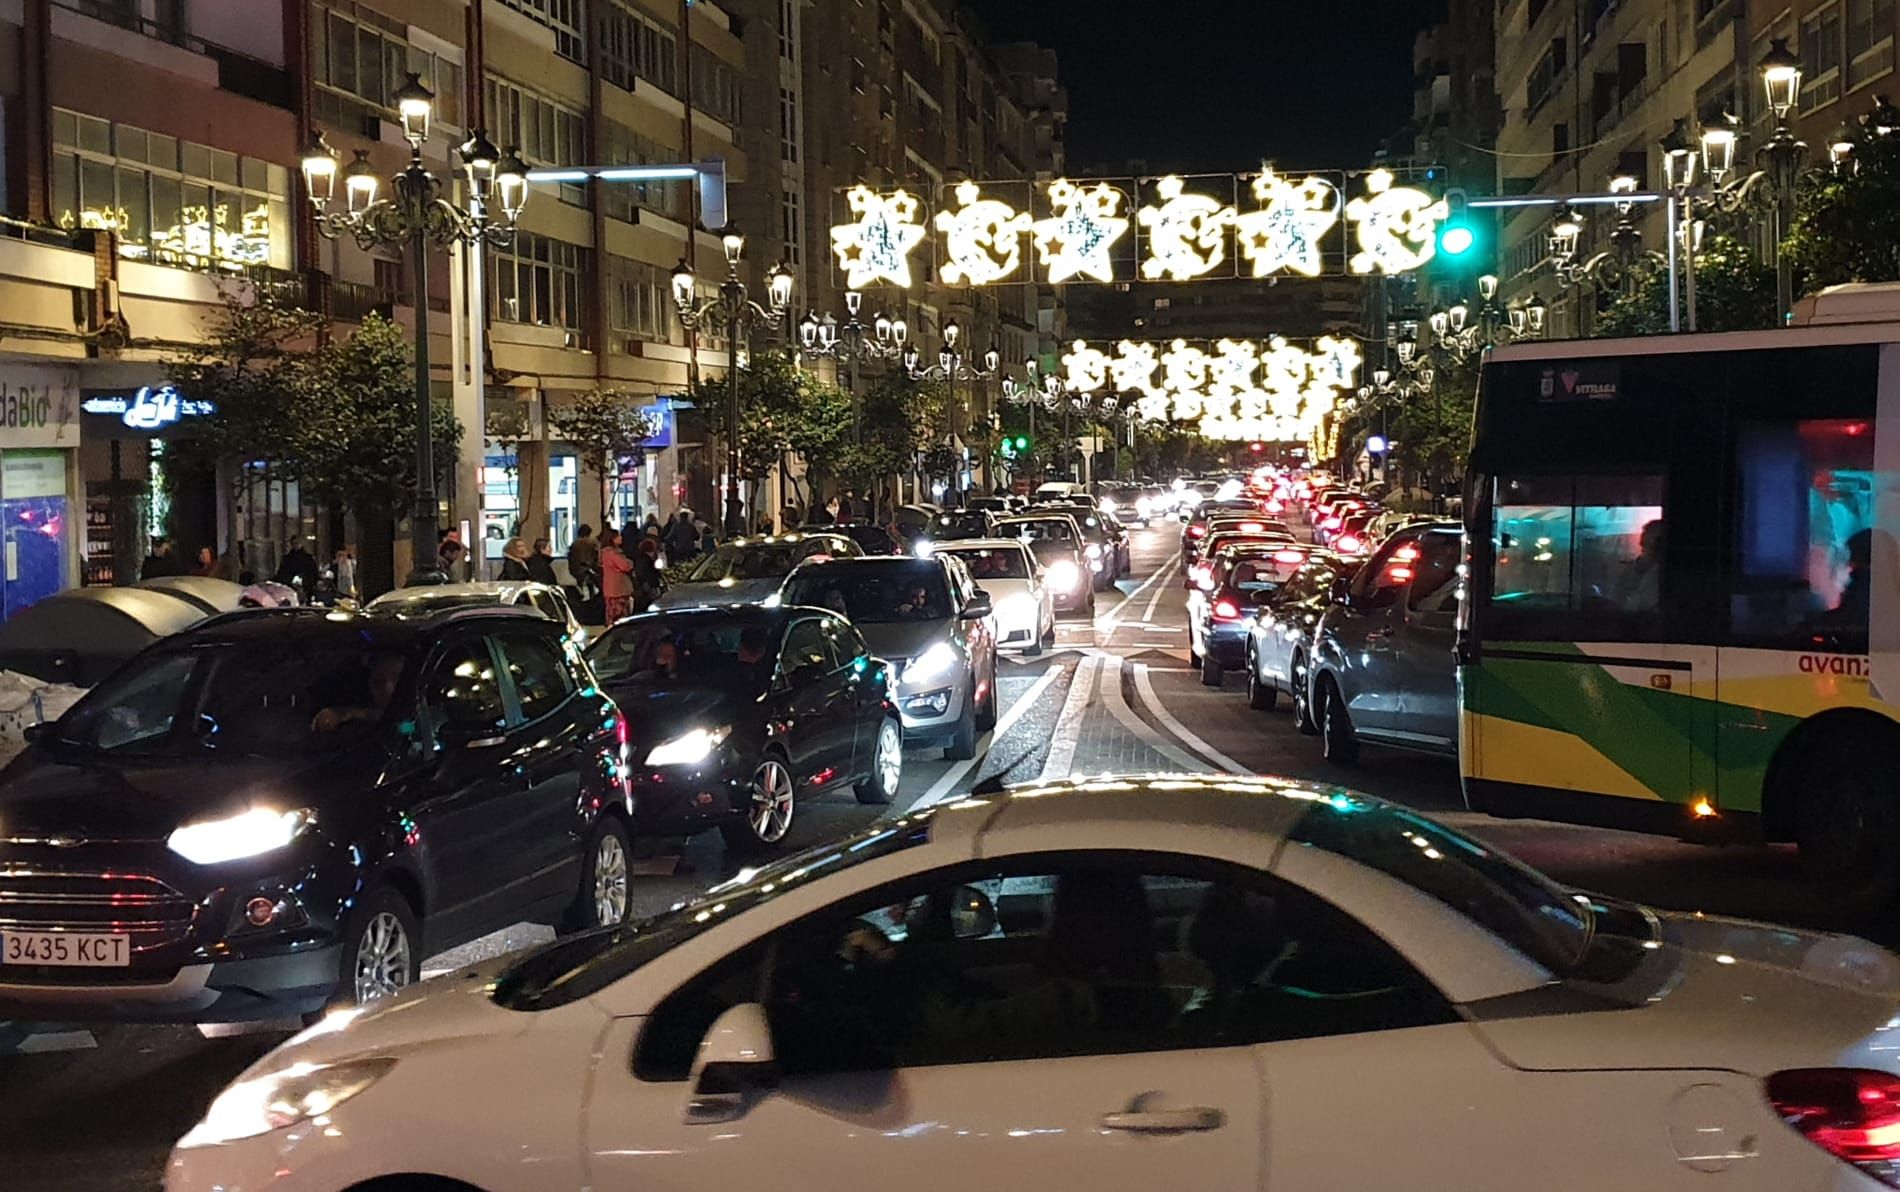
[279, 810]
[954, 524]
[735, 715]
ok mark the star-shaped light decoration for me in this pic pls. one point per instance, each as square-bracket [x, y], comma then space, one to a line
[982, 239]
[1397, 226]
[877, 246]
[1076, 239]
[1186, 234]
[1085, 368]
[1286, 232]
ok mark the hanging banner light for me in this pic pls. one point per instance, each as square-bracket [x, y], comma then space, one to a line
[1186, 233]
[982, 238]
[1286, 233]
[1397, 226]
[1076, 239]
[877, 244]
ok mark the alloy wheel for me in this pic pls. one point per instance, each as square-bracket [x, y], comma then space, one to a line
[610, 880]
[382, 958]
[890, 757]
[772, 802]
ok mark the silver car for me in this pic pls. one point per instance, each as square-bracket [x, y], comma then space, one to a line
[545, 599]
[1382, 670]
[752, 570]
[932, 624]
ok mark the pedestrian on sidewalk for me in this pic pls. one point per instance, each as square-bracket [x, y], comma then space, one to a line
[682, 538]
[648, 583]
[344, 565]
[616, 577]
[514, 561]
[541, 564]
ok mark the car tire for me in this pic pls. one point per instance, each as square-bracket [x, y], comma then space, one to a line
[1847, 824]
[1034, 648]
[605, 896]
[1260, 696]
[1337, 741]
[1049, 638]
[1211, 674]
[382, 949]
[770, 806]
[1091, 604]
[1302, 698]
[962, 745]
[887, 765]
[986, 714]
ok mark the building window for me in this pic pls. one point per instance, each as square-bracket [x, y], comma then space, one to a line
[628, 148]
[171, 202]
[540, 281]
[1821, 58]
[544, 131]
[791, 226]
[1869, 41]
[640, 296]
[1544, 76]
[563, 17]
[788, 29]
[715, 86]
[362, 56]
[635, 47]
[787, 124]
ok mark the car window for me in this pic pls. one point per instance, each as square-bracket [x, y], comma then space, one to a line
[1001, 562]
[804, 646]
[1049, 957]
[899, 590]
[841, 641]
[539, 673]
[545, 603]
[461, 690]
[1435, 574]
[141, 707]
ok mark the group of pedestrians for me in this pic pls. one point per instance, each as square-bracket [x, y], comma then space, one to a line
[298, 573]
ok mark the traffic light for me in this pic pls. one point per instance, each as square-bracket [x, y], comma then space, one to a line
[1022, 444]
[1458, 235]
[1015, 446]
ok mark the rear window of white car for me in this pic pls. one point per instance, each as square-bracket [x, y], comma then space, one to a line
[993, 563]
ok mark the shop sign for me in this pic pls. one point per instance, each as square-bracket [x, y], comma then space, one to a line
[36, 413]
[151, 409]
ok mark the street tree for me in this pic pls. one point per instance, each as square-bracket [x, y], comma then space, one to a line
[605, 426]
[1734, 292]
[1847, 223]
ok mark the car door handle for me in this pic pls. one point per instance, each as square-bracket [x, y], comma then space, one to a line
[1165, 1121]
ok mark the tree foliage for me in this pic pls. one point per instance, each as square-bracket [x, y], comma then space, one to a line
[1847, 224]
[603, 425]
[1734, 292]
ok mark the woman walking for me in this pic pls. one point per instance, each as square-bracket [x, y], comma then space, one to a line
[616, 577]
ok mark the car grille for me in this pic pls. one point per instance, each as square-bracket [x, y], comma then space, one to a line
[150, 911]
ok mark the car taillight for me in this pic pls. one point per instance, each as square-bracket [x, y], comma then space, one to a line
[1289, 556]
[1275, 506]
[1226, 610]
[1333, 523]
[1196, 531]
[1251, 527]
[1347, 544]
[1851, 1113]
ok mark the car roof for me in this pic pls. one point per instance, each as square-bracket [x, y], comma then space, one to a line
[748, 614]
[867, 563]
[503, 591]
[788, 538]
[381, 626]
[962, 544]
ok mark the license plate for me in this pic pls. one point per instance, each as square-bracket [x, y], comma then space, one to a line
[70, 948]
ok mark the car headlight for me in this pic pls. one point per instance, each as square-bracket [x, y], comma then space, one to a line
[687, 748]
[1063, 575]
[247, 834]
[1095, 550]
[924, 548]
[298, 1093]
[931, 663]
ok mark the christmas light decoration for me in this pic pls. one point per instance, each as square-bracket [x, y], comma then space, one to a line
[1086, 368]
[1285, 234]
[982, 239]
[1133, 368]
[1396, 226]
[1076, 240]
[1186, 235]
[877, 245]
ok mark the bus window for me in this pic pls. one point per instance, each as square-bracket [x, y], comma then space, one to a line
[1571, 551]
[1804, 534]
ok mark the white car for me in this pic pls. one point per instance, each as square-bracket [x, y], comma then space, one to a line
[546, 599]
[1115, 984]
[1005, 568]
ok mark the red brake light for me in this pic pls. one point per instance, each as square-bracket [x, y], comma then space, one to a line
[1398, 575]
[1348, 544]
[1851, 1113]
[1289, 556]
[1226, 610]
[1334, 522]
[1196, 531]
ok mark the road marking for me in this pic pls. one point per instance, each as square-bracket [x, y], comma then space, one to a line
[1061, 757]
[1148, 614]
[1181, 730]
[1118, 707]
[1110, 616]
[946, 785]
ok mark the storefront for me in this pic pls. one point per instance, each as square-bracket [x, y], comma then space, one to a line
[133, 492]
[39, 436]
[637, 489]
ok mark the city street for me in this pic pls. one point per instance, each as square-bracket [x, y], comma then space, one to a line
[99, 1108]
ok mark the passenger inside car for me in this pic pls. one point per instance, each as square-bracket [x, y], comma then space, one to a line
[385, 674]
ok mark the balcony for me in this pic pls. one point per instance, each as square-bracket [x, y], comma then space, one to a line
[232, 70]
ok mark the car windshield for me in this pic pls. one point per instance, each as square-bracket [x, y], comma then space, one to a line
[993, 562]
[583, 965]
[736, 562]
[655, 651]
[1039, 529]
[972, 524]
[278, 699]
[900, 590]
[1520, 906]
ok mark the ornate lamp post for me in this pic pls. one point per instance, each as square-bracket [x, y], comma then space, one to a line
[951, 367]
[417, 213]
[733, 311]
[850, 345]
[1781, 159]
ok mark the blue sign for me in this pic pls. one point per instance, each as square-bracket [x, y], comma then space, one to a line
[150, 409]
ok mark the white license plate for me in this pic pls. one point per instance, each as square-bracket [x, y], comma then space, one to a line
[75, 949]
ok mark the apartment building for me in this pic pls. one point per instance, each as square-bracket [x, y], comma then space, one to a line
[1847, 58]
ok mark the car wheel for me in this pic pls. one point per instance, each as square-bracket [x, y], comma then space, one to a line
[1211, 675]
[887, 765]
[1848, 826]
[1302, 698]
[1049, 638]
[1034, 648]
[986, 714]
[962, 746]
[771, 802]
[1259, 695]
[603, 899]
[382, 949]
[1337, 741]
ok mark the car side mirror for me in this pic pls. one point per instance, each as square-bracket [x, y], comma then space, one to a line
[34, 733]
[1342, 591]
[972, 914]
[978, 606]
[735, 1064]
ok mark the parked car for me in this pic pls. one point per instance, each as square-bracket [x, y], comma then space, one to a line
[1242, 950]
[280, 810]
[1004, 567]
[1279, 638]
[429, 599]
[748, 570]
[1382, 670]
[738, 715]
[931, 623]
[1060, 488]
[1056, 541]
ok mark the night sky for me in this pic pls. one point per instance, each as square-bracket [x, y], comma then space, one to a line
[1218, 85]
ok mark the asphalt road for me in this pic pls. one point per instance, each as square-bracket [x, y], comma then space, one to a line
[100, 1108]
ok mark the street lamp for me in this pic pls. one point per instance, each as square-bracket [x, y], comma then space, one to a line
[417, 213]
[952, 367]
[1782, 158]
[733, 311]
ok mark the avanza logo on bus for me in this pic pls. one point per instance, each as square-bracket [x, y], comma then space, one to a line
[1835, 664]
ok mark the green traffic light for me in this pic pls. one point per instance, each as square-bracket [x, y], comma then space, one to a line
[1456, 240]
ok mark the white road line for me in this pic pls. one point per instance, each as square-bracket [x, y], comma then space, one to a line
[1148, 614]
[1111, 615]
[1147, 691]
[945, 786]
[1061, 758]
[1118, 707]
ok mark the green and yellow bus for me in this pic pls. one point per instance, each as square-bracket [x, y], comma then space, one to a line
[1683, 601]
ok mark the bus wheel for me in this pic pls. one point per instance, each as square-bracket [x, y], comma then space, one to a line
[1848, 825]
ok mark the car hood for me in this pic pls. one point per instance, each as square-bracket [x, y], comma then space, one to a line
[1716, 993]
[46, 795]
[656, 714]
[904, 639]
[719, 593]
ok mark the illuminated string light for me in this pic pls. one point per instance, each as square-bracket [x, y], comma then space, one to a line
[877, 245]
[982, 239]
[1396, 226]
[1076, 240]
[1241, 390]
[1186, 233]
[1285, 235]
